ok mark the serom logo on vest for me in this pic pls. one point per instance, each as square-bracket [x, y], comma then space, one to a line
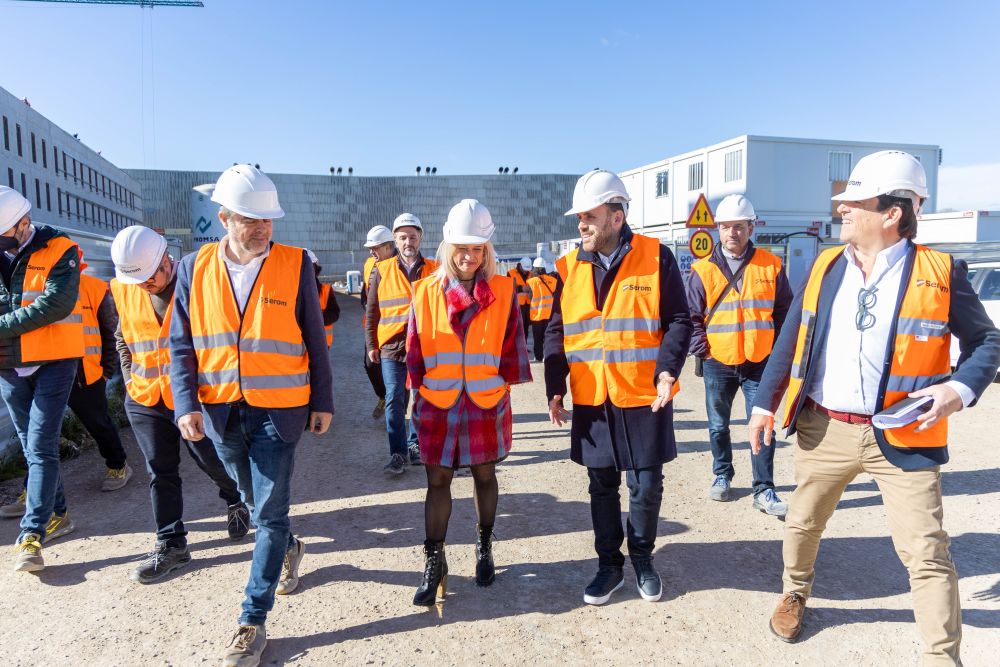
[922, 282]
[636, 288]
[272, 301]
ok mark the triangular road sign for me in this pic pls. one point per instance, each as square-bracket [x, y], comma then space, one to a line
[701, 214]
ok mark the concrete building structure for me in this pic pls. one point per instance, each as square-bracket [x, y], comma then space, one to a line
[331, 214]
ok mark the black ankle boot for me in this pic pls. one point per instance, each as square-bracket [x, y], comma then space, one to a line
[485, 573]
[435, 581]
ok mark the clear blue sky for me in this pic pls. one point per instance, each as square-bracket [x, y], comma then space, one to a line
[468, 86]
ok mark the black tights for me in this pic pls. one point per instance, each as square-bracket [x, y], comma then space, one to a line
[437, 507]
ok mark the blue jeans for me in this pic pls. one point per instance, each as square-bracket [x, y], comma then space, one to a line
[401, 434]
[645, 487]
[721, 383]
[36, 404]
[261, 463]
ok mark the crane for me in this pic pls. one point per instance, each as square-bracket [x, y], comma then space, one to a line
[139, 3]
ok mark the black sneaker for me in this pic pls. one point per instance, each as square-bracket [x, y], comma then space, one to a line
[414, 454]
[238, 521]
[160, 562]
[395, 465]
[647, 580]
[608, 580]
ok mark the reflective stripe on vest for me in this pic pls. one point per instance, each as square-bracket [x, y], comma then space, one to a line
[612, 352]
[324, 299]
[59, 340]
[394, 295]
[148, 342]
[519, 281]
[919, 354]
[742, 328]
[258, 356]
[452, 364]
[542, 289]
[92, 291]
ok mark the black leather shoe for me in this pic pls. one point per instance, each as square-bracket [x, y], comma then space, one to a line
[647, 580]
[485, 572]
[608, 580]
[435, 582]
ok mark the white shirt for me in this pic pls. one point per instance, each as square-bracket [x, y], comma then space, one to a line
[242, 276]
[849, 370]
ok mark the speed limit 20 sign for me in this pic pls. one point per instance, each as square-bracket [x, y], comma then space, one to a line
[701, 244]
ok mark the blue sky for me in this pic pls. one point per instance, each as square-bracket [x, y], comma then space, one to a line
[466, 86]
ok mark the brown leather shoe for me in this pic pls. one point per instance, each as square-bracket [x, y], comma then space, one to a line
[786, 621]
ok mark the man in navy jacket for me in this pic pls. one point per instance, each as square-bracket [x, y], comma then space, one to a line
[870, 323]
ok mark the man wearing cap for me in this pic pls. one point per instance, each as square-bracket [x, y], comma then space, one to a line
[871, 328]
[389, 294]
[520, 273]
[542, 287]
[620, 329]
[41, 344]
[143, 290]
[738, 297]
[250, 369]
[381, 245]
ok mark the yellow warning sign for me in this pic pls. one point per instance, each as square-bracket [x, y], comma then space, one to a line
[701, 244]
[701, 214]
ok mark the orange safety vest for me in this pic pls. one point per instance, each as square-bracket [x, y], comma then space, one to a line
[522, 298]
[365, 275]
[453, 364]
[742, 328]
[324, 299]
[59, 340]
[394, 296]
[259, 355]
[919, 352]
[542, 289]
[92, 291]
[149, 343]
[612, 351]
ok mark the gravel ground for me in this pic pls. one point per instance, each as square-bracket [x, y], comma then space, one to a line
[721, 562]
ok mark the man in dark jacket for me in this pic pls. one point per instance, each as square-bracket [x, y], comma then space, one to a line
[622, 335]
[41, 344]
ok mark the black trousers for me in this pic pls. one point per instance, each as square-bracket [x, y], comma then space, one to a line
[645, 487]
[526, 320]
[374, 371]
[538, 338]
[90, 404]
[160, 441]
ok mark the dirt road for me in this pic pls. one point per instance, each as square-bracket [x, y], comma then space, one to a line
[721, 563]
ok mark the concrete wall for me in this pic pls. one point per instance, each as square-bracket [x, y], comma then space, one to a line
[332, 214]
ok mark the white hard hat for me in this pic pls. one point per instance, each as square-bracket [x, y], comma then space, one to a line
[598, 187]
[246, 190]
[137, 252]
[13, 207]
[886, 173]
[733, 208]
[378, 235]
[525, 263]
[312, 256]
[468, 222]
[406, 220]
[539, 263]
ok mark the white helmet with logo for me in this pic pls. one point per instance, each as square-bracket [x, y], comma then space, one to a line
[137, 252]
[892, 173]
[598, 187]
[734, 208]
[246, 190]
[13, 207]
[468, 222]
[406, 220]
[378, 235]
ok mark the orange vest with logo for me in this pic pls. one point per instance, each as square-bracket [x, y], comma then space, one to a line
[258, 356]
[612, 352]
[918, 355]
[394, 296]
[453, 364]
[742, 328]
[148, 342]
[542, 289]
[92, 291]
[522, 298]
[59, 340]
[324, 299]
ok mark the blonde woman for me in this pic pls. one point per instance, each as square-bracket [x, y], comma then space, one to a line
[465, 347]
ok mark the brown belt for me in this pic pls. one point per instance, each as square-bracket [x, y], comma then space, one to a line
[846, 417]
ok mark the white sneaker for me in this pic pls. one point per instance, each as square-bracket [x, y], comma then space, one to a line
[246, 647]
[290, 568]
